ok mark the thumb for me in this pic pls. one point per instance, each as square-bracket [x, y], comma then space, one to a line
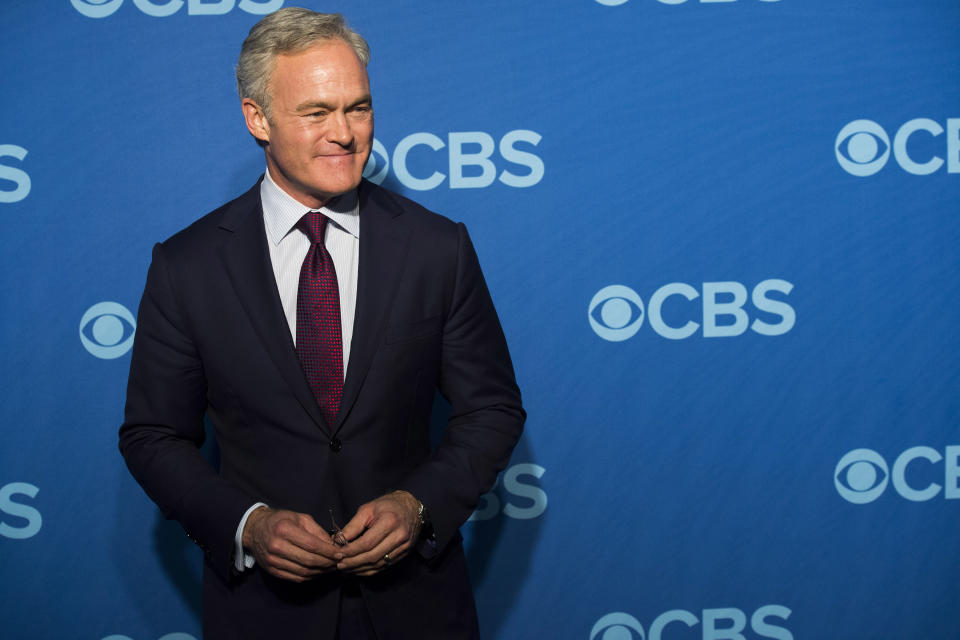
[308, 524]
[359, 522]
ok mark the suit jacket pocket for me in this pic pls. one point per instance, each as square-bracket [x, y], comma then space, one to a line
[406, 332]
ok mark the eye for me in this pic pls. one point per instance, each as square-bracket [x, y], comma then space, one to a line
[107, 329]
[617, 626]
[361, 114]
[862, 147]
[861, 476]
[616, 313]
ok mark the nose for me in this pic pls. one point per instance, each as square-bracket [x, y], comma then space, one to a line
[339, 130]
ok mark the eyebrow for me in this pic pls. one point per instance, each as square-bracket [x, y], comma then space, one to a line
[320, 104]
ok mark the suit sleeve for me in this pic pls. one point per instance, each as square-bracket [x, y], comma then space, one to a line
[163, 424]
[486, 421]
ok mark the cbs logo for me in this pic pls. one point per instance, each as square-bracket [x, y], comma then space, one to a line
[469, 163]
[18, 177]
[717, 624]
[107, 330]
[863, 147]
[862, 475]
[616, 312]
[26, 521]
[104, 8]
[533, 499]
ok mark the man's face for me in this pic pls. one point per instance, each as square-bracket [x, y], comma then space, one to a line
[321, 126]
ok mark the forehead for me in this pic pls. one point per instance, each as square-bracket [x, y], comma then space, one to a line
[328, 63]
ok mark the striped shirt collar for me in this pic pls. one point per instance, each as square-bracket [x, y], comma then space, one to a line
[281, 211]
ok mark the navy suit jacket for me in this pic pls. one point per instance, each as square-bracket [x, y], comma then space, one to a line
[212, 339]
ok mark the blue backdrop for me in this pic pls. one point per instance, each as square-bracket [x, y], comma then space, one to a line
[722, 237]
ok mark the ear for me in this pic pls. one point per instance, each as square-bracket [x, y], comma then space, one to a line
[256, 120]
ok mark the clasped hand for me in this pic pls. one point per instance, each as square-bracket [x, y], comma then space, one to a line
[292, 546]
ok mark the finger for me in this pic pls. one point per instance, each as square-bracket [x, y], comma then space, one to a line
[308, 524]
[287, 569]
[377, 564]
[284, 565]
[293, 555]
[359, 522]
[370, 539]
[288, 539]
[395, 546]
[382, 564]
[387, 532]
[312, 542]
[286, 575]
[376, 567]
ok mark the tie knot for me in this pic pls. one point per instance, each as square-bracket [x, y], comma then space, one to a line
[312, 223]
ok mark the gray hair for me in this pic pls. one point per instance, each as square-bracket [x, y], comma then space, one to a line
[289, 30]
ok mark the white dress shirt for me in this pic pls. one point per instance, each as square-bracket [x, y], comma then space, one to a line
[288, 248]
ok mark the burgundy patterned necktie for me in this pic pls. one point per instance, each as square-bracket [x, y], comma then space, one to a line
[319, 339]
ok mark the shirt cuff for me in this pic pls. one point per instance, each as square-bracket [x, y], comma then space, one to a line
[241, 559]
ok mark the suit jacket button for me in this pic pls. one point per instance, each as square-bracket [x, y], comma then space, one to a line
[336, 445]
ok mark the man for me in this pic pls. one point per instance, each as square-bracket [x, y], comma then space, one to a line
[312, 319]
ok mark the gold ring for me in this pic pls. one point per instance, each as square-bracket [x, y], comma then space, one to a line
[386, 559]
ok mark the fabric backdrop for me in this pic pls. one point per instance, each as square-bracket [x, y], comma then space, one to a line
[722, 236]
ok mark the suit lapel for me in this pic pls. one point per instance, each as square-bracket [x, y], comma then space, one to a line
[383, 248]
[247, 259]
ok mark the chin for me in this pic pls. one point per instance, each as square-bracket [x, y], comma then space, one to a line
[339, 185]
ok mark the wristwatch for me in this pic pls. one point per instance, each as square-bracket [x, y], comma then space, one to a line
[423, 518]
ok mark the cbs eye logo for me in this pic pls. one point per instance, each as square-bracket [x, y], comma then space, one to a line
[615, 313]
[862, 147]
[107, 329]
[377, 164]
[725, 622]
[861, 476]
[617, 626]
[96, 8]
[467, 168]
